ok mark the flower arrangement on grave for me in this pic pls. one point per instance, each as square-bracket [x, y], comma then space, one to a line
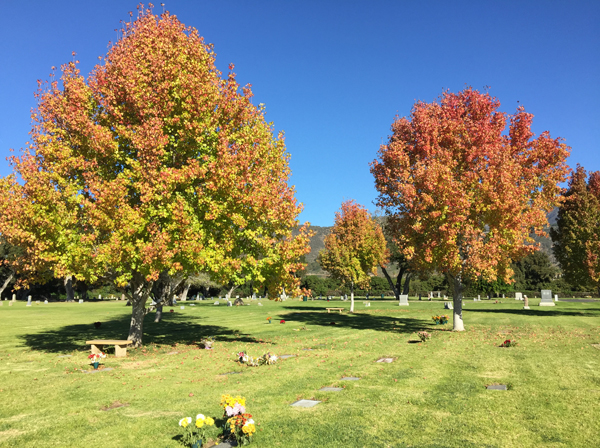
[239, 424]
[509, 343]
[207, 342]
[269, 319]
[441, 319]
[197, 432]
[265, 360]
[282, 321]
[423, 336]
[95, 358]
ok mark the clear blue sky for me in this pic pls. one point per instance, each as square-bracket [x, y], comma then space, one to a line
[333, 74]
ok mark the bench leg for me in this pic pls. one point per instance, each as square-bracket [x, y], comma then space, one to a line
[120, 351]
[96, 349]
[328, 311]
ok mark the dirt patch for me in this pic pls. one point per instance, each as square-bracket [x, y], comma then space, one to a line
[114, 405]
[5, 435]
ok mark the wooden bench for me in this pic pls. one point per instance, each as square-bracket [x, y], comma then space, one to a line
[329, 310]
[120, 346]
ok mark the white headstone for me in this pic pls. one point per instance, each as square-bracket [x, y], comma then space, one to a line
[259, 304]
[28, 300]
[80, 300]
[216, 303]
[439, 294]
[478, 297]
[518, 296]
[546, 298]
[14, 298]
[99, 297]
[448, 306]
[403, 300]
[503, 296]
[556, 297]
[182, 307]
[46, 301]
[229, 303]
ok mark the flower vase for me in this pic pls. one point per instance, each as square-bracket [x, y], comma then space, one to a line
[95, 364]
[198, 444]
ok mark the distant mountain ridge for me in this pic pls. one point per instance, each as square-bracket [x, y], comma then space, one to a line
[317, 242]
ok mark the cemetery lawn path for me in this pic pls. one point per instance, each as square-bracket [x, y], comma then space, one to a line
[432, 395]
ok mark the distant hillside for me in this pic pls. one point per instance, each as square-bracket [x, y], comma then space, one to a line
[317, 242]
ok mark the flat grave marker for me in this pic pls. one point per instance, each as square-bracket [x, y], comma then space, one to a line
[386, 360]
[98, 370]
[305, 403]
[350, 378]
[496, 387]
[287, 356]
[331, 389]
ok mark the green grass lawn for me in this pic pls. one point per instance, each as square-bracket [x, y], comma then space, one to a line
[432, 395]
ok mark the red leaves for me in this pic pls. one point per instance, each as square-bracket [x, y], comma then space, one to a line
[462, 195]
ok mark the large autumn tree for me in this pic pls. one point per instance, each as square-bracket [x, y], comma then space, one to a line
[354, 248]
[462, 196]
[577, 235]
[155, 163]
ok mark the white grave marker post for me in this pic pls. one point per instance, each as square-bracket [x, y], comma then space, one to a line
[28, 300]
[14, 298]
[403, 300]
[556, 297]
[518, 296]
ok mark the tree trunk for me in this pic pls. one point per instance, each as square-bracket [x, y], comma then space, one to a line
[389, 279]
[6, 282]
[158, 314]
[228, 295]
[184, 293]
[457, 305]
[351, 297]
[69, 288]
[139, 293]
[406, 283]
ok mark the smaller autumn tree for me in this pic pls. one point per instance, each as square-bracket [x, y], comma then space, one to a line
[354, 248]
[576, 237]
[461, 196]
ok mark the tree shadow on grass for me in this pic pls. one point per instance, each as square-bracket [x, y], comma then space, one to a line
[357, 321]
[545, 312]
[174, 329]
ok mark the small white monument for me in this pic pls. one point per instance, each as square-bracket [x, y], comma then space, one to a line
[403, 300]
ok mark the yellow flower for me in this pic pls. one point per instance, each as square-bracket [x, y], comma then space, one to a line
[199, 423]
[209, 421]
[185, 421]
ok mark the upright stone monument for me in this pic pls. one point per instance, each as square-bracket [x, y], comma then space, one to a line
[518, 296]
[546, 298]
[556, 297]
[28, 300]
[403, 300]
[526, 304]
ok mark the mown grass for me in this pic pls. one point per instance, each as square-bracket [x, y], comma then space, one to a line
[432, 395]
